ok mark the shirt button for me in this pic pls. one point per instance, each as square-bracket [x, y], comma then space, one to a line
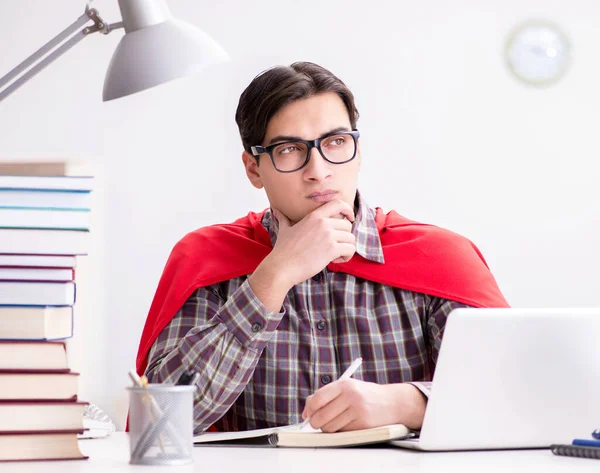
[256, 327]
[321, 325]
[326, 379]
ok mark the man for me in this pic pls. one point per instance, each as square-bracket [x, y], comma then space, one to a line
[271, 309]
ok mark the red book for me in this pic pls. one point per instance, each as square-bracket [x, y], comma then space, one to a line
[58, 385]
[19, 416]
[58, 445]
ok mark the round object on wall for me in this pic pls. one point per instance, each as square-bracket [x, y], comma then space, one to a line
[538, 53]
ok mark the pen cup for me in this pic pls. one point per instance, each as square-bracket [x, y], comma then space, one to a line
[161, 424]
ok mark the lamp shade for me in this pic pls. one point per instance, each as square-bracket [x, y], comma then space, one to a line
[158, 53]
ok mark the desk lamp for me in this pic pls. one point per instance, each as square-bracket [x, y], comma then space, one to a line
[156, 48]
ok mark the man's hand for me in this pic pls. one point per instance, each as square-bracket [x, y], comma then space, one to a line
[303, 250]
[322, 236]
[351, 404]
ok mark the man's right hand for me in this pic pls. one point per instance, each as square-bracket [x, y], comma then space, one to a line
[303, 250]
[324, 235]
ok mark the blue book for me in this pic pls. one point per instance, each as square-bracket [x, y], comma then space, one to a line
[39, 198]
[29, 217]
[62, 183]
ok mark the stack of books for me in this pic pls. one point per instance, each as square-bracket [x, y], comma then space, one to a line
[44, 226]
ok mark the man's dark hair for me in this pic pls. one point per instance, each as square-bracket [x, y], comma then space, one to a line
[275, 88]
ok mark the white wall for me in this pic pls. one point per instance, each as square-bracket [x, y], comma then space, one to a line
[448, 138]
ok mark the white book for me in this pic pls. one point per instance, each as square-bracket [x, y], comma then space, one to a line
[37, 293]
[36, 274]
[38, 261]
[45, 199]
[44, 218]
[43, 241]
[73, 183]
[34, 323]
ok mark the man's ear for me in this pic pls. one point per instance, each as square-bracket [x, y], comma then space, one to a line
[358, 154]
[251, 165]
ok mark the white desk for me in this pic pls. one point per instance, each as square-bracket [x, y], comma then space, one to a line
[112, 455]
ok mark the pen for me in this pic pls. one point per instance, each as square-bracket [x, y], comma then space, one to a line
[351, 369]
[345, 375]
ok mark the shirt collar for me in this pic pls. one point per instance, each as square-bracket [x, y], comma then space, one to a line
[364, 228]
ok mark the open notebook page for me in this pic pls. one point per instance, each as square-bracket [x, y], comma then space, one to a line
[246, 434]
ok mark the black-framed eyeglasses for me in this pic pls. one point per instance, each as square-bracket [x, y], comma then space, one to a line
[290, 156]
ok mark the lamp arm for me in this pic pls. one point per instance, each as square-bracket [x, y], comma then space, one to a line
[37, 62]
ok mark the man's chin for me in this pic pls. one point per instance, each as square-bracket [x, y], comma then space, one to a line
[296, 217]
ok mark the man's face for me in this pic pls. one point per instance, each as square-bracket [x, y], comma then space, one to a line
[294, 193]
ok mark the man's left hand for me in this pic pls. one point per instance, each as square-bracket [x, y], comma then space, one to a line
[351, 404]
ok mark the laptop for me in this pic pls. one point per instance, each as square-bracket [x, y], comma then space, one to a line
[513, 378]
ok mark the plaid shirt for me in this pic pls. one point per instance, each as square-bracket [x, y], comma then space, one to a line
[258, 367]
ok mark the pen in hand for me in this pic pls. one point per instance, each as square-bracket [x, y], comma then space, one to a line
[345, 375]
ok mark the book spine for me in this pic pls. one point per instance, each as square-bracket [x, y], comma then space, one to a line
[72, 325]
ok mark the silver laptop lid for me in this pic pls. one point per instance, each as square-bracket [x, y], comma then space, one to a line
[515, 378]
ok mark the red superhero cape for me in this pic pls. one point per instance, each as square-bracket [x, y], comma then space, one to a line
[418, 257]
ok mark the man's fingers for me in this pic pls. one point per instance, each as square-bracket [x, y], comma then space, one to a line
[342, 224]
[343, 421]
[342, 259]
[335, 208]
[346, 252]
[320, 398]
[328, 413]
[345, 237]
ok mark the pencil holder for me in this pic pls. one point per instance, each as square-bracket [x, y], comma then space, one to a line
[161, 424]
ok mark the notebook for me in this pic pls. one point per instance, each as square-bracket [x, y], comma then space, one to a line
[513, 378]
[295, 436]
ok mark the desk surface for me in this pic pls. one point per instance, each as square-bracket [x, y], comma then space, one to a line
[112, 455]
